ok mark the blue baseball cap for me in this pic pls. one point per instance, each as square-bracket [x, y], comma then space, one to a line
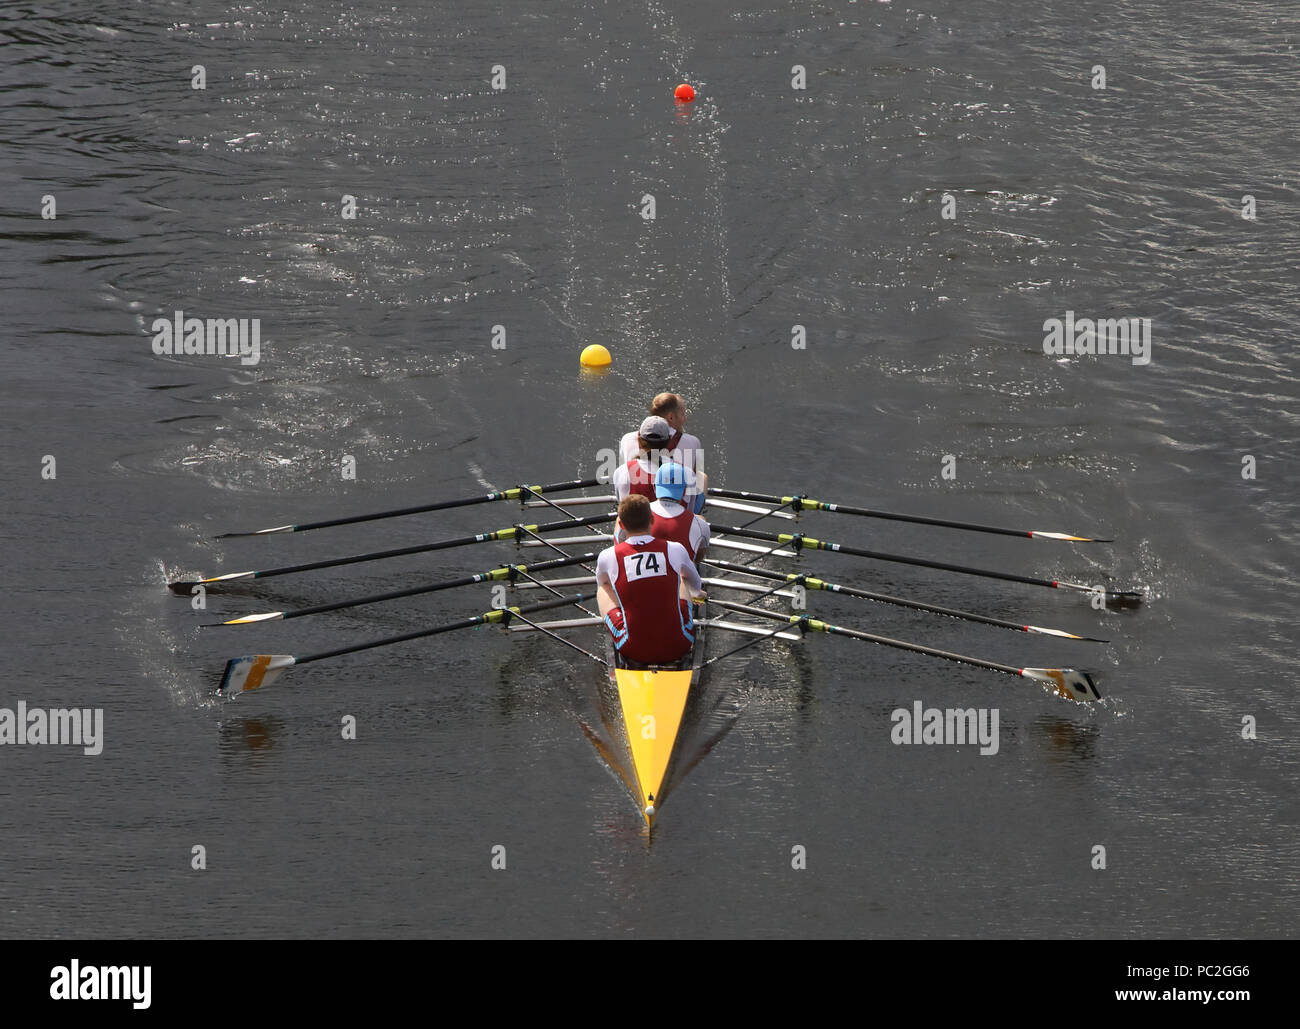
[672, 479]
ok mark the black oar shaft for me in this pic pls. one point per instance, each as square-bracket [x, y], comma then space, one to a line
[917, 648]
[415, 591]
[483, 498]
[424, 548]
[821, 584]
[802, 503]
[816, 625]
[487, 617]
[816, 544]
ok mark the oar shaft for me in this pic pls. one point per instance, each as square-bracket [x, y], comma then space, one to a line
[853, 591]
[502, 616]
[503, 572]
[802, 503]
[424, 548]
[816, 544]
[815, 625]
[517, 492]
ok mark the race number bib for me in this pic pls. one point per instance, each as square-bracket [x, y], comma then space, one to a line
[645, 566]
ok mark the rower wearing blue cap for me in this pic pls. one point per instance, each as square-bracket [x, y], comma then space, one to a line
[673, 520]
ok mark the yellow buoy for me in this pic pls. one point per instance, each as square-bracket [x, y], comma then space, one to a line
[595, 356]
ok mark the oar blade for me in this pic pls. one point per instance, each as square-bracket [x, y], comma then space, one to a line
[1125, 598]
[185, 587]
[1069, 683]
[1040, 630]
[256, 532]
[265, 616]
[252, 672]
[1065, 537]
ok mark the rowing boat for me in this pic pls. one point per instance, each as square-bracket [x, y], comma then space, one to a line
[647, 707]
[651, 708]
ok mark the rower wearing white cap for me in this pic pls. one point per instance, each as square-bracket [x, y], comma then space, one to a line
[637, 476]
[682, 447]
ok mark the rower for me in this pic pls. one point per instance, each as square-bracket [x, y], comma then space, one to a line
[643, 583]
[682, 447]
[638, 475]
[673, 520]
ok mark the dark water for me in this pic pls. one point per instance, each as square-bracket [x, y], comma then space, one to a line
[775, 207]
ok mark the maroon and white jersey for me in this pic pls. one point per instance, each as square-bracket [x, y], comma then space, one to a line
[651, 625]
[674, 522]
[637, 477]
[683, 448]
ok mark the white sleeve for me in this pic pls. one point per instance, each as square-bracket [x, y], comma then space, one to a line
[700, 534]
[692, 452]
[622, 482]
[606, 567]
[628, 448]
[684, 566]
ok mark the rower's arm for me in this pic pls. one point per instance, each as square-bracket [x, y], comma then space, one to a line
[683, 565]
[606, 568]
[622, 483]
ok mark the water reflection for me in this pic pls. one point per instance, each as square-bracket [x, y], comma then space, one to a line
[243, 736]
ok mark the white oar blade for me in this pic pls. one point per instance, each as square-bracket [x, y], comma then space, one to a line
[268, 616]
[1066, 682]
[252, 672]
[1039, 630]
[254, 532]
[1066, 537]
[228, 576]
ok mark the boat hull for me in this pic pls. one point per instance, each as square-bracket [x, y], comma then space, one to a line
[652, 702]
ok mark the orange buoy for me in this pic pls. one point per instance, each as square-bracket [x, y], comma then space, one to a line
[684, 93]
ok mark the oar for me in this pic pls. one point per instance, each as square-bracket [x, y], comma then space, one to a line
[884, 598]
[186, 586]
[510, 572]
[798, 540]
[802, 503]
[517, 493]
[255, 670]
[1070, 683]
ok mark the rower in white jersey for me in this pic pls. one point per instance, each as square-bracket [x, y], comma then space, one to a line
[646, 585]
[682, 447]
[638, 475]
[671, 519]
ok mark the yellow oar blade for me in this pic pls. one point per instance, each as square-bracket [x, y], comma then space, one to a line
[252, 672]
[653, 704]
